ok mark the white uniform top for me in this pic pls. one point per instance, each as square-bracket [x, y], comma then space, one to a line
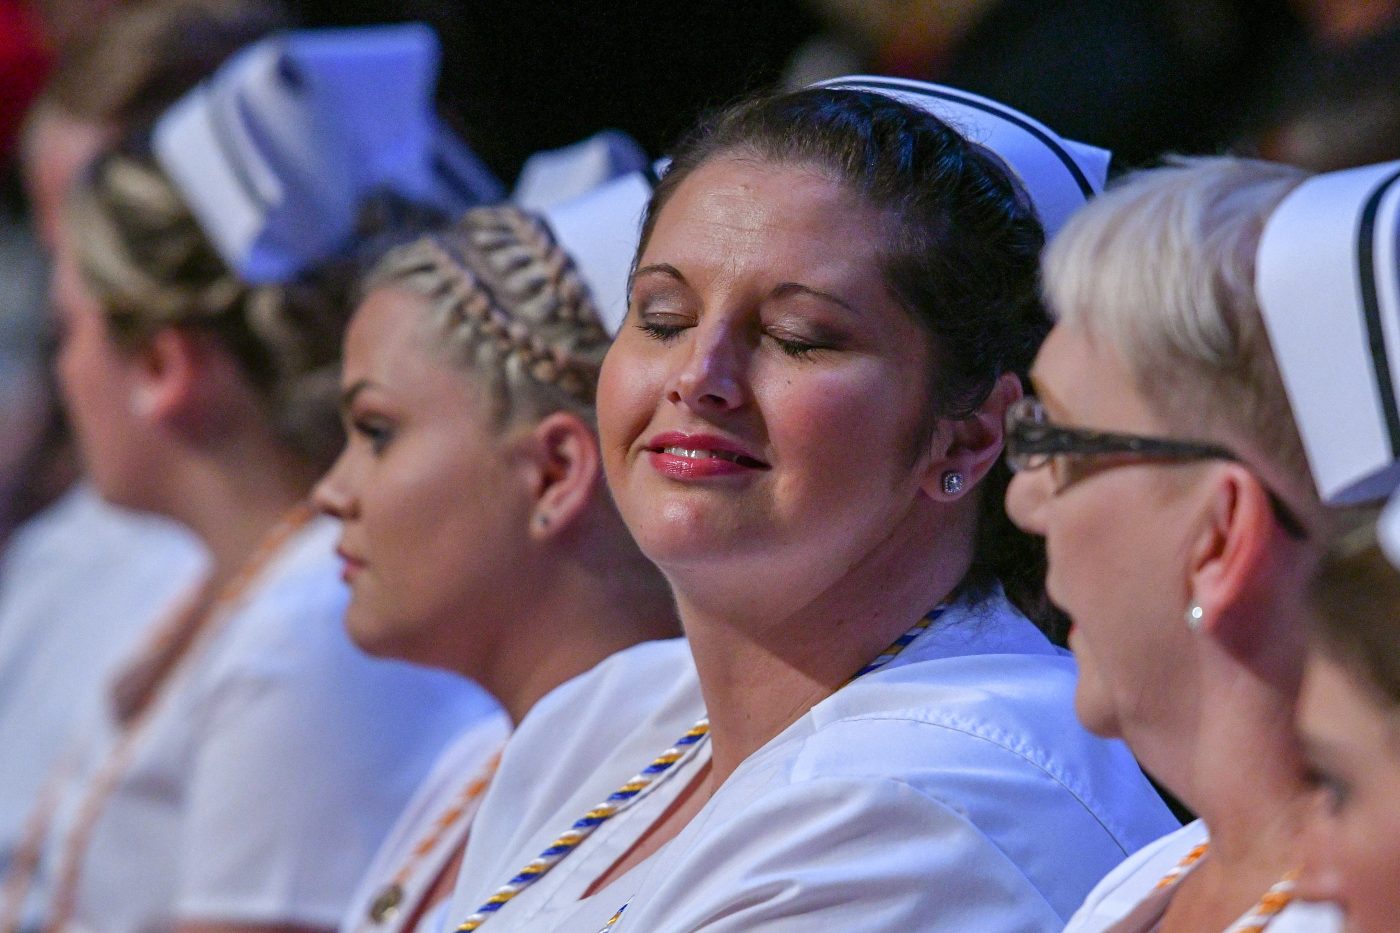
[80, 581]
[1127, 885]
[465, 761]
[269, 771]
[951, 790]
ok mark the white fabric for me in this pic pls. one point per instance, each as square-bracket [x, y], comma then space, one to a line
[952, 790]
[1328, 282]
[270, 770]
[276, 152]
[462, 762]
[558, 175]
[78, 583]
[1126, 886]
[1388, 531]
[600, 231]
[1058, 174]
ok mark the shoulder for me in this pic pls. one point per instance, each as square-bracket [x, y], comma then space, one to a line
[603, 706]
[1125, 887]
[977, 742]
[839, 853]
[578, 742]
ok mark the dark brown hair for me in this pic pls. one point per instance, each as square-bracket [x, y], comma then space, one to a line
[961, 257]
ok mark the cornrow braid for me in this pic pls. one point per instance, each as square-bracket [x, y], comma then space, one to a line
[507, 302]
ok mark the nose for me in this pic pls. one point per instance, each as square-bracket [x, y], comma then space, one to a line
[1026, 496]
[710, 376]
[334, 495]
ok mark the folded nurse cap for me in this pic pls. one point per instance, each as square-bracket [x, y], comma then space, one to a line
[1058, 174]
[276, 152]
[600, 231]
[1329, 289]
[558, 175]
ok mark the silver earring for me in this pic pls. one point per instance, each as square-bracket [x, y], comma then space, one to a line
[1195, 617]
[542, 521]
[953, 483]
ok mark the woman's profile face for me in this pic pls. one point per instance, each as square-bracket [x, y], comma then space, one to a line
[766, 398]
[1115, 536]
[433, 517]
[1352, 739]
[102, 390]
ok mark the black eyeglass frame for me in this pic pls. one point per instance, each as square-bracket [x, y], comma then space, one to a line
[1032, 441]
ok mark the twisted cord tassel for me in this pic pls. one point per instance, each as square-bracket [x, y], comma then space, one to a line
[618, 801]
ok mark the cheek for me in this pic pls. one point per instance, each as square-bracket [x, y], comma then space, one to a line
[858, 419]
[631, 387]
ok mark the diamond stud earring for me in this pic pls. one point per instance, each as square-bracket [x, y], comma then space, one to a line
[953, 482]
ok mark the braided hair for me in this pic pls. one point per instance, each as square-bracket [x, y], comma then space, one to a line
[506, 302]
[151, 267]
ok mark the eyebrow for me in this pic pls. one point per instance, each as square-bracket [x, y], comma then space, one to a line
[347, 398]
[663, 268]
[797, 288]
[782, 290]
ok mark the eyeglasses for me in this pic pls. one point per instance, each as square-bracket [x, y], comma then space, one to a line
[1032, 441]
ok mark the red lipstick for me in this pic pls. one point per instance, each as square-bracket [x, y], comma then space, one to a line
[700, 456]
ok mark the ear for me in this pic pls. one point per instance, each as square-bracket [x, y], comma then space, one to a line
[562, 454]
[1234, 560]
[168, 388]
[970, 446]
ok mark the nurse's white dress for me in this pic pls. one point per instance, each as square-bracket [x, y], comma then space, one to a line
[951, 790]
[423, 841]
[268, 771]
[79, 583]
[1130, 883]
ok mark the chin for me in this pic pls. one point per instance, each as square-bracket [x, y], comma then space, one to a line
[1093, 714]
[374, 634]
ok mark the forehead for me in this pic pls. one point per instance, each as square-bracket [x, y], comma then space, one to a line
[1084, 380]
[388, 327]
[735, 212]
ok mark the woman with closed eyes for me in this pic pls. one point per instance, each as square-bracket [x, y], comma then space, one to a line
[800, 419]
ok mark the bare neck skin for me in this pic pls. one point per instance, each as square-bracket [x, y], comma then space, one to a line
[232, 495]
[590, 595]
[1243, 774]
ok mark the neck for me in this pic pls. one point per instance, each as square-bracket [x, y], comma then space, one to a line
[232, 503]
[575, 619]
[1238, 766]
[763, 662]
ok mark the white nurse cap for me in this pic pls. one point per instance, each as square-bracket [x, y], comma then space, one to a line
[1329, 288]
[600, 231]
[558, 175]
[1058, 174]
[275, 153]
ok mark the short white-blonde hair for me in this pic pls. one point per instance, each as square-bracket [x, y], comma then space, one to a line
[1161, 268]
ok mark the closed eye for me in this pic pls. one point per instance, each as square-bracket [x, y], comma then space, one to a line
[375, 431]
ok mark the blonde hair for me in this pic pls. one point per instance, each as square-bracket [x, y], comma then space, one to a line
[1162, 268]
[506, 302]
[150, 267]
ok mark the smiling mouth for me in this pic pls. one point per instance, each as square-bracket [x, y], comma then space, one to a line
[695, 453]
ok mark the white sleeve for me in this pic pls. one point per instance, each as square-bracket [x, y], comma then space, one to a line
[839, 854]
